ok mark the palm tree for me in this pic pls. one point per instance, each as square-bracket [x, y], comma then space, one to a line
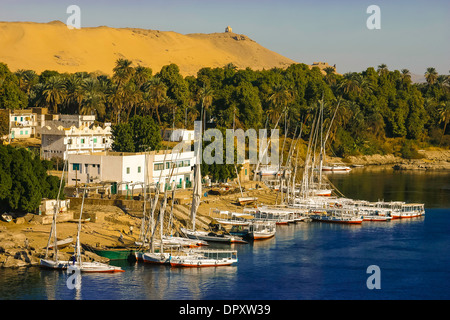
[123, 71]
[350, 83]
[431, 75]
[155, 93]
[406, 76]
[54, 92]
[114, 98]
[206, 97]
[93, 101]
[74, 91]
[27, 79]
[131, 97]
[279, 99]
[442, 81]
[382, 69]
[141, 75]
[444, 114]
[328, 70]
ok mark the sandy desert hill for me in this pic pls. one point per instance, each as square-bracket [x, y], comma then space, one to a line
[53, 46]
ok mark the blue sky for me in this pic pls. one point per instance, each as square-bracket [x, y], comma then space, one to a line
[413, 35]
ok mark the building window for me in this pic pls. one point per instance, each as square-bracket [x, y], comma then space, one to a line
[21, 132]
[26, 131]
[128, 170]
[167, 165]
[75, 166]
[158, 166]
[98, 167]
[186, 163]
[82, 140]
[95, 140]
[245, 171]
[139, 169]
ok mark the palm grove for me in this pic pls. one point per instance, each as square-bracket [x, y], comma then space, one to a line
[380, 111]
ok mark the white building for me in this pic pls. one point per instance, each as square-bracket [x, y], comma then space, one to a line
[27, 123]
[60, 141]
[76, 120]
[130, 171]
[22, 123]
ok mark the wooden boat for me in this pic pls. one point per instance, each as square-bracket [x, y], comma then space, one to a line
[113, 253]
[212, 236]
[322, 192]
[157, 257]
[247, 200]
[281, 216]
[260, 230]
[336, 168]
[336, 216]
[375, 217]
[165, 257]
[408, 210]
[54, 265]
[62, 243]
[95, 267]
[206, 258]
[89, 267]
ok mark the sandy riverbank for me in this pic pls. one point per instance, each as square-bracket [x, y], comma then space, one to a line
[23, 241]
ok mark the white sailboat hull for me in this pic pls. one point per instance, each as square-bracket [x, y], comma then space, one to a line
[95, 267]
[55, 265]
[157, 258]
[206, 236]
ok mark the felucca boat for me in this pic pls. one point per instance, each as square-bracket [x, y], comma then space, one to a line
[54, 263]
[206, 258]
[84, 266]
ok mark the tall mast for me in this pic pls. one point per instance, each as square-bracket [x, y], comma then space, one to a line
[78, 245]
[53, 227]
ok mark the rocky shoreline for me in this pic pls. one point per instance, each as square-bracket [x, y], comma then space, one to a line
[432, 160]
[23, 241]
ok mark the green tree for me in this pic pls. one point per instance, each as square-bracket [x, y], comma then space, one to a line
[54, 92]
[139, 134]
[11, 96]
[444, 112]
[431, 76]
[122, 135]
[24, 180]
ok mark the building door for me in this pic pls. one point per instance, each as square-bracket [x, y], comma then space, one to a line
[114, 188]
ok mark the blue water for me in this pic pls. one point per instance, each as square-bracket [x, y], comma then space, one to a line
[304, 261]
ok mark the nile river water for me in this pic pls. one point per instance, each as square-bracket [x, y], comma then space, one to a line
[304, 261]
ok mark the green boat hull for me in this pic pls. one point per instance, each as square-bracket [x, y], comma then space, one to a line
[115, 254]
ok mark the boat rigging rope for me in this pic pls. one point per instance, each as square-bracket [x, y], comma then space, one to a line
[335, 188]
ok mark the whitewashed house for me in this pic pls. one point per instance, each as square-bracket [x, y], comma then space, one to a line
[60, 141]
[22, 124]
[130, 171]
